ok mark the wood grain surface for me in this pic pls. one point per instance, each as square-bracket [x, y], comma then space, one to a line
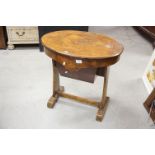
[2, 38]
[80, 44]
[76, 50]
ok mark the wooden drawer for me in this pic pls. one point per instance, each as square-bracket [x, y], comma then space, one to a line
[23, 34]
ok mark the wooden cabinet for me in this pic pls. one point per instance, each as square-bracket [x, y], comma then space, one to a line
[2, 38]
[22, 35]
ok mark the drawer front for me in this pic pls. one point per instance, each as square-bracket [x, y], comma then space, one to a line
[23, 34]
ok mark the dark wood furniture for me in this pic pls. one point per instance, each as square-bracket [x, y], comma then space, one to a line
[150, 30]
[2, 38]
[76, 50]
[149, 33]
[149, 105]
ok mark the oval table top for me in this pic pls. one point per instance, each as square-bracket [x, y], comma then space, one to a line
[79, 44]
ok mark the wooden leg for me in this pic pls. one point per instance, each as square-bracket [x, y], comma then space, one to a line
[104, 101]
[51, 102]
[58, 91]
[11, 46]
[56, 87]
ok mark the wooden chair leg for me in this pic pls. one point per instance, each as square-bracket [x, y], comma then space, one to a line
[104, 101]
[56, 87]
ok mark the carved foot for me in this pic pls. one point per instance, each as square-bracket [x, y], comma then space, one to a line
[101, 112]
[11, 46]
[51, 102]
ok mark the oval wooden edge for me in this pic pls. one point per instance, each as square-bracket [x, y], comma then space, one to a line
[64, 54]
[70, 63]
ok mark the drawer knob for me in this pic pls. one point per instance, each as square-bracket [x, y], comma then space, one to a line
[20, 34]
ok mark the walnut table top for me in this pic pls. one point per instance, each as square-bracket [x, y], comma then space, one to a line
[68, 47]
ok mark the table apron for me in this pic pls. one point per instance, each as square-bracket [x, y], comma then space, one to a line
[71, 63]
